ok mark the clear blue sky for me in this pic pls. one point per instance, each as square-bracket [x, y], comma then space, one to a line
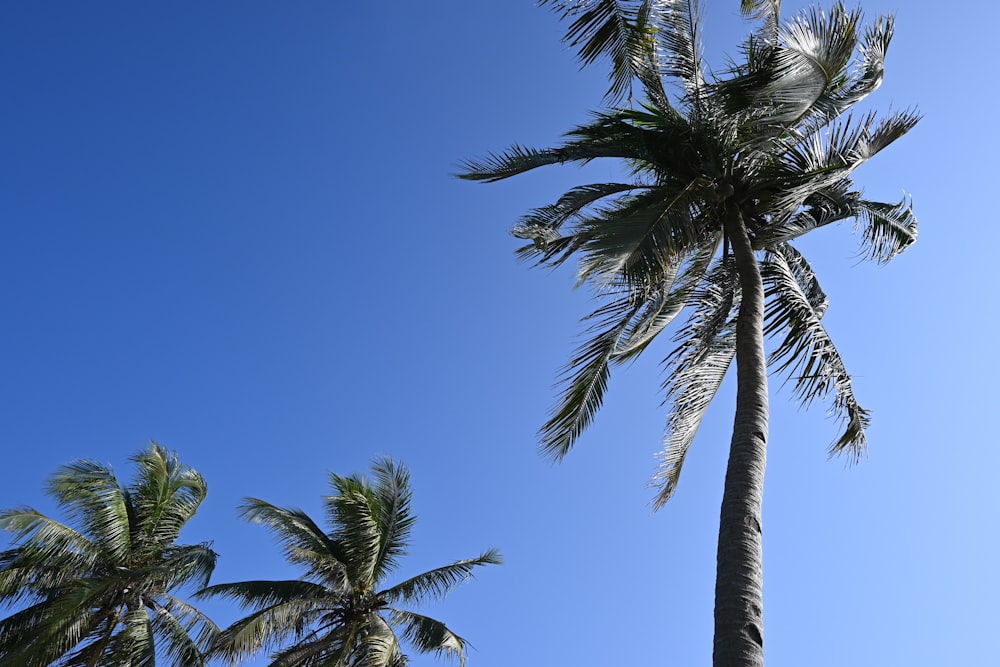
[232, 227]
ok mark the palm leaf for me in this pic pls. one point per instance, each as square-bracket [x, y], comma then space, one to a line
[266, 628]
[394, 516]
[436, 583]
[90, 494]
[888, 228]
[166, 494]
[586, 377]
[632, 243]
[680, 42]
[302, 541]
[666, 302]
[807, 353]
[428, 635]
[624, 31]
[696, 369]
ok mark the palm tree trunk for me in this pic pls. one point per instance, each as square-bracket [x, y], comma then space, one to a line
[739, 627]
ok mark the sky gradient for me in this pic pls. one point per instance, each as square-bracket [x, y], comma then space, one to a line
[233, 228]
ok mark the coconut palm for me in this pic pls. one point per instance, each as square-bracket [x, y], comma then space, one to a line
[342, 613]
[721, 176]
[99, 590]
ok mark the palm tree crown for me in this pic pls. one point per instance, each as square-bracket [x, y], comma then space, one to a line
[340, 613]
[769, 142]
[99, 589]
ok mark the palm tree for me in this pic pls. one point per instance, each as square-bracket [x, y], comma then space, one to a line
[99, 590]
[339, 614]
[721, 177]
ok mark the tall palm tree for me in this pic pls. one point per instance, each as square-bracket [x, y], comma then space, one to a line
[340, 613]
[720, 178]
[100, 589]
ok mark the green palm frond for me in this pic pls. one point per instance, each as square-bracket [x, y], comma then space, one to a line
[679, 41]
[395, 517]
[354, 511]
[541, 225]
[807, 354]
[825, 205]
[90, 494]
[166, 495]
[856, 81]
[436, 583]
[379, 646]
[134, 646]
[44, 544]
[176, 636]
[267, 627]
[181, 618]
[666, 301]
[336, 649]
[39, 634]
[249, 594]
[429, 635]
[888, 228]
[187, 565]
[696, 368]
[515, 160]
[302, 541]
[624, 31]
[632, 243]
[766, 11]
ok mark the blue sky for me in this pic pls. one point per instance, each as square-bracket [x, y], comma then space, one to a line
[233, 228]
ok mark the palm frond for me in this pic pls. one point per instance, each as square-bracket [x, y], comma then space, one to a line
[395, 518]
[889, 229]
[630, 244]
[515, 160]
[40, 633]
[165, 494]
[90, 495]
[43, 543]
[336, 648]
[250, 594]
[428, 635]
[624, 31]
[379, 646]
[181, 618]
[766, 11]
[266, 628]
[696, 368]
[187, 565]
[183, 633]
[855, 82]
[436, 583]
[353, 511]
[302, 541]
[679, 41]
[666, 301]
[541, 225]
[586, 377]
[825, 205]
[807, 353]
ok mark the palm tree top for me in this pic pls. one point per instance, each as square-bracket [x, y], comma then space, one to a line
[771, 139]
[99, 588]
[342, 611]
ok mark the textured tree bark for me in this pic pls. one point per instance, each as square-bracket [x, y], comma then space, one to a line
[739, 626]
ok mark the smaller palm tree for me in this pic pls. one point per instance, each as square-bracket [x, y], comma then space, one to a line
[339, 614]
[99, 591]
